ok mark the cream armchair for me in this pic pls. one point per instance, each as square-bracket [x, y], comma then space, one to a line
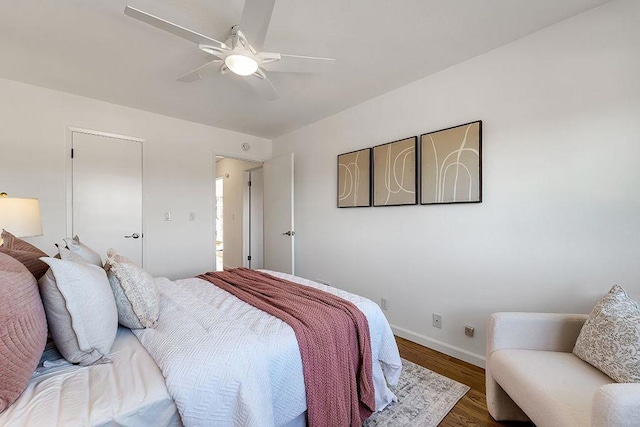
[532, 374]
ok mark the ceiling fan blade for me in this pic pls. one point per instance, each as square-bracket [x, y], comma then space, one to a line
[300, 64]
[263, 86]
[198, 73]
[170, 27]
[254, 23]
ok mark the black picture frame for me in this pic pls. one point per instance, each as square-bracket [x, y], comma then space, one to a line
[354, 179]
[388, 160]
[458, 146]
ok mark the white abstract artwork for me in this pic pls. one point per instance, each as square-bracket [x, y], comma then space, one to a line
[354, 176]
[394, 173]
[451, 165]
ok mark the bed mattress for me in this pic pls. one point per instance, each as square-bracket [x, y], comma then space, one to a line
[129, 392]
[227, 363]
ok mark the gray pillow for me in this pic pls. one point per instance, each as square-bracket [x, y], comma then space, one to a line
[80, 309]
[135, 292]
[610, 338]
[83, 250]
[67, 255]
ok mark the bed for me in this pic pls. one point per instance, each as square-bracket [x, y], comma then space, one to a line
[131, 391]
[212, 360]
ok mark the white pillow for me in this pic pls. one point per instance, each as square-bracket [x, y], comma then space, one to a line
[610, 338]
[135, 292]
[83, 250]
[80, 309]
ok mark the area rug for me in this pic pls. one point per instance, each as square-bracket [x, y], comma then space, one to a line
[424, 399]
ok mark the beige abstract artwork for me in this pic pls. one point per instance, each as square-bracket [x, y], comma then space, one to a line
[394, 173]
[451, 165]
[354, 173]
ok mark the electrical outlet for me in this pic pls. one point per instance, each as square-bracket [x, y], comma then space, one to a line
[192, 216]
[437, 321]
[469, 330]
[384, 304]
[167, 216]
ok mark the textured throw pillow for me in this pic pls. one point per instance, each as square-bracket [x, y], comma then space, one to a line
[23, 329]
[80, 310]
[24, 252]
[83, 250]
[610, 338]
[135, 292]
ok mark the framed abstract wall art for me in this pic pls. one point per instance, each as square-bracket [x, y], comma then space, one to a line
[354, 179]
[395, 173]
[451, 165]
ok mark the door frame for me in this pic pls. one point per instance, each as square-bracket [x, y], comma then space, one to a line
[214, 172]
[246, 217]
[70, 130]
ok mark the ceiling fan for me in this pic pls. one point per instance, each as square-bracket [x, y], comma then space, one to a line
[241, 53]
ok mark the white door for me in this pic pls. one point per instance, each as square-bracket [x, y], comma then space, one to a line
[278, 214]
[107, 194]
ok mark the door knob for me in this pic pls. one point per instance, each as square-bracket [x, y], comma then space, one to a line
[134, 236]
[289, 233]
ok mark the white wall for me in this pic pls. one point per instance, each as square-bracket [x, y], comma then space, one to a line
[178, 173]
[560, 221]
[233, 208]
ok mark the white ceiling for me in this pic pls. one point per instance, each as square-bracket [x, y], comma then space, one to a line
[90, 48]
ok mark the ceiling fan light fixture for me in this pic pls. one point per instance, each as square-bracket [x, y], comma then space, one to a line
[241, 65]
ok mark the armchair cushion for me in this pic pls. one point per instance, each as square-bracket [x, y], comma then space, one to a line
[552, 388]
[616, 405]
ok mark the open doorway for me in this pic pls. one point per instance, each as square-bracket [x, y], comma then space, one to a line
[219, 224]
[253, 219]
[238, 214]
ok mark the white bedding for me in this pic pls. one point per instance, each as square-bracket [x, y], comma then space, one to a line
[228, 363]
[128, 392]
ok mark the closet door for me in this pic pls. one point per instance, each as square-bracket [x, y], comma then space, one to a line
[107, 194]
[278, 214]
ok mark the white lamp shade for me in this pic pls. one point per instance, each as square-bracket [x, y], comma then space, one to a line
[20, 217]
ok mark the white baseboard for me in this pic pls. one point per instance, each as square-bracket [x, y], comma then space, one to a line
[453, 351]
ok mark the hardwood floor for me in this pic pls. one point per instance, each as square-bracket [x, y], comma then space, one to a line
[471, 410]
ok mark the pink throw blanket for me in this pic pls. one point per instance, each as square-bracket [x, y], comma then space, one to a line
[333, 337]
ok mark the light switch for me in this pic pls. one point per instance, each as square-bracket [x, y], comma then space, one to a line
[192, 216]
[167, 216]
